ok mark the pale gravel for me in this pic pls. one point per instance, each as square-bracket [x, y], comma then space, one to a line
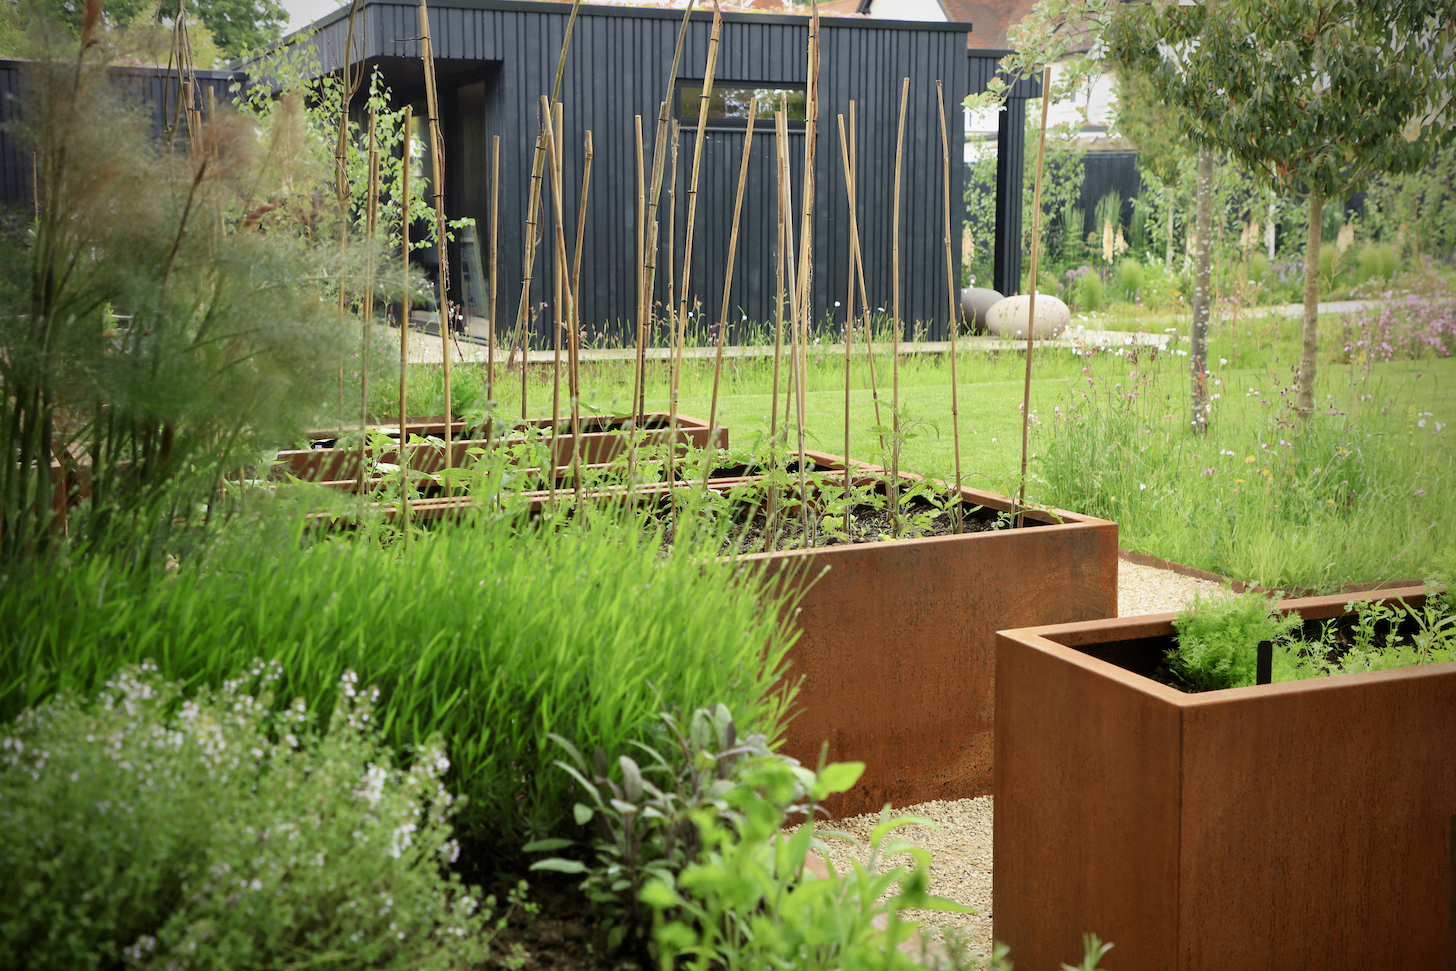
[960, 848]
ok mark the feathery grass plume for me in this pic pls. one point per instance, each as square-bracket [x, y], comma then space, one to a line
[155, 346]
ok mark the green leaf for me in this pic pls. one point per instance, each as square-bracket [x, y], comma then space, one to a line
[837, 777]
[560, 865]
[657, 894]
[582, 813]
[547, 845]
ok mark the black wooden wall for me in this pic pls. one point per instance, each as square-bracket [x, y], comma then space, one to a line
[149, 88]
[618, 66]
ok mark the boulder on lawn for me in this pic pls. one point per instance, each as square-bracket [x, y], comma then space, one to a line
[975, 301]
[1007, 318]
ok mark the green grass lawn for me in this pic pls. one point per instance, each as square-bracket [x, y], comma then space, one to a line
[1110, 437]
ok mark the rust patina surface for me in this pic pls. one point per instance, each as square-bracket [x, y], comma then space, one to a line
[897, 644]
[1305, 824]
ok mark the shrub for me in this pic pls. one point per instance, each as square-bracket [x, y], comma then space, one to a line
[1130, 278]
[1378, 260]
[1087, 291]
[702, 847]
[1258, 267]
[215, 833]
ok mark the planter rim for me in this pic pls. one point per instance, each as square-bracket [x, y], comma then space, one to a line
[1062, 641]
[1070, 520]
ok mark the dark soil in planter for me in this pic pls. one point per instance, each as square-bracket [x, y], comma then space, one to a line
[562, 936]
[867, 524]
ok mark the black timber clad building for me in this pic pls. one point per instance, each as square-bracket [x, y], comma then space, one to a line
[495, 58]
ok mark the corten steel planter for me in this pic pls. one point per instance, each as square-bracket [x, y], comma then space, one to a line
[333, 464]
[1307, 824]
[897, 640]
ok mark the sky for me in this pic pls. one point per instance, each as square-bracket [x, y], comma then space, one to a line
[301, 13]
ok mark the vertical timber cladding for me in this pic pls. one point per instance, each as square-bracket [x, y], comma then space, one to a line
[153, 88]
[617, 67]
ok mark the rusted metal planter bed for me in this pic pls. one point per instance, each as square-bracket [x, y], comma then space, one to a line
[1305, 824]
[896, 643]
[602, 440]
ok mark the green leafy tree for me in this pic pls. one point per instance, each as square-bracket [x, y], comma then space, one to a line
[1053, 30]
[236, 26]
[1313, 96]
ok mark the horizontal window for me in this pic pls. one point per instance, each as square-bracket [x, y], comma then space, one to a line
[728, 103]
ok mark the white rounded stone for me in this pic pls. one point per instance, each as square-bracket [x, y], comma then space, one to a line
[1007, 318]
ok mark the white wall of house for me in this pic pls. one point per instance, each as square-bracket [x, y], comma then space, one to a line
[926, 10]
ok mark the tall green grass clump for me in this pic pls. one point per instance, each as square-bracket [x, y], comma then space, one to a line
[1379, 261]
[1353, 493]
[1087, 291]
[490, 637]
[1130, 278]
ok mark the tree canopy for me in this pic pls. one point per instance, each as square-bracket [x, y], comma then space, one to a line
[236, 26]
[1310, 95]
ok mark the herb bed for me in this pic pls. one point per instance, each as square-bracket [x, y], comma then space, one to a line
[1305, 823]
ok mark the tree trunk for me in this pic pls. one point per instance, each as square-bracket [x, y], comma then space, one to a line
[1311, 305]
[1168, 256]
[1202, 258]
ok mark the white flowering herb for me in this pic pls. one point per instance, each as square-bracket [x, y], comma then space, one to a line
[218, 832]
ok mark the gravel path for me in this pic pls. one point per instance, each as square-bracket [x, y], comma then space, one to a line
[1150, 590]
[961, 847]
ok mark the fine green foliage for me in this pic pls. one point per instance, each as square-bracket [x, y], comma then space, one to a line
[235, 26]
[215, 832]
[485, 635]
[154, 338]
[1379, 261]
[1218, 639]
[1309, 94]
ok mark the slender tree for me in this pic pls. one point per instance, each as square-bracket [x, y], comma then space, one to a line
[1311, 96]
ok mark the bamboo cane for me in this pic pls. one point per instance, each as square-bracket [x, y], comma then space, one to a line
[442, 249]
[773, 422]
[533, 236]
[852, 186]
[796, 318]
[895, 319]
[560, 313]
[848, 317]
[574, 360]
[728, 279]
[371, 217]
[704, 98]
[806, 228]
[643, 300]
[950, 281]
[404, 315]
[669, 306]
[490, 325]
[1019, 507]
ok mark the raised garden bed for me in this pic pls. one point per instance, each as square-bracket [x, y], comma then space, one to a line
[897, 637]
[602, 440]
[897, 640]
[1302, 824]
